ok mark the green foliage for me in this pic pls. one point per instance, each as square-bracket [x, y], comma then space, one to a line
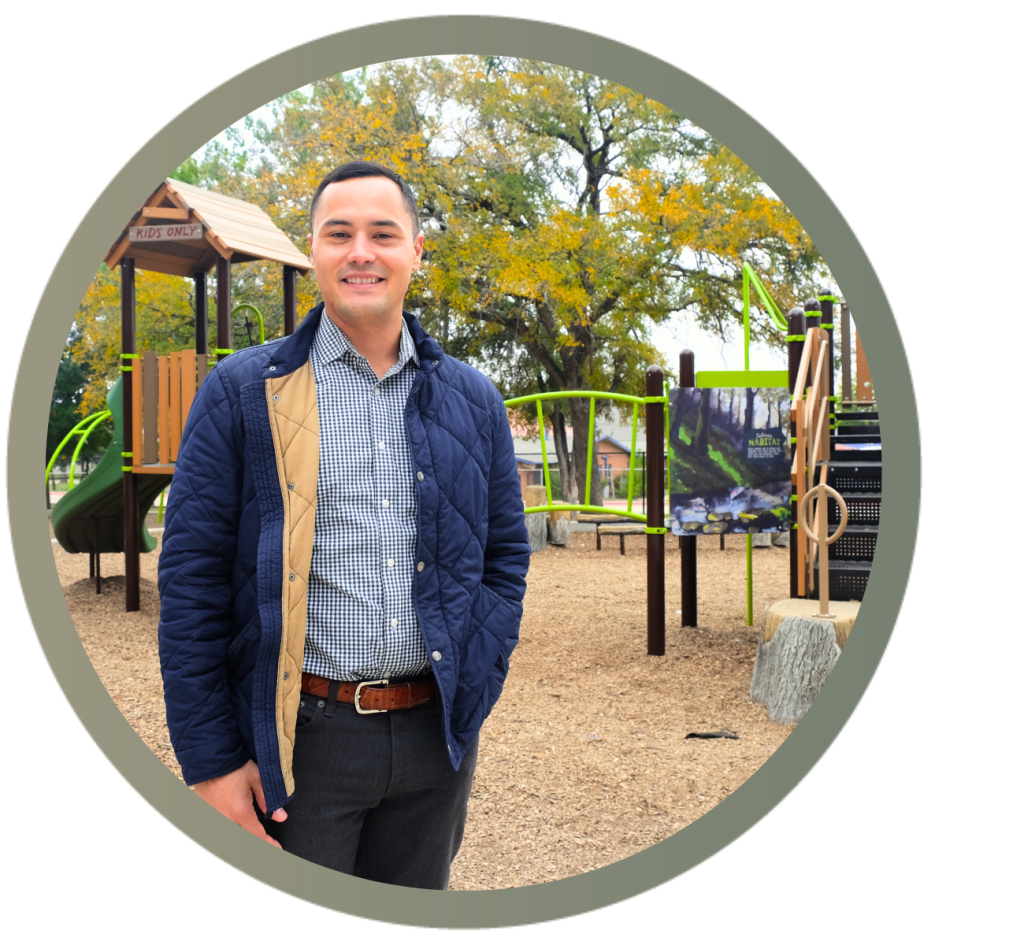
[622, 483]
[556, 485]
[188, 173]
[65, 412]
[565, 216]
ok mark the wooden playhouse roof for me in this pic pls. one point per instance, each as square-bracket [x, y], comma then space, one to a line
[231, 228]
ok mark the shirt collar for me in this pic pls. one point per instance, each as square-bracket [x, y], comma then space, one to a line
[333, 344]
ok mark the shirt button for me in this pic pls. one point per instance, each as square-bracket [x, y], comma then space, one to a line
[436, 656]
[385, 504]
[419, 566]
[376, 392]
[391, 562]
[419, 476]
[394, 621]
[381, 444]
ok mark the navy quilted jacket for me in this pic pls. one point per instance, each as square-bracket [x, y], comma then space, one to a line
[232, 619]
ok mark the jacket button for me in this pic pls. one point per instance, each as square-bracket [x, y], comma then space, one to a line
[273, 367]
[434, 363]
[286, 676]
[291, 577]
[277, 396]
[436, 656]
[419, 476]
[291, 485]
[419, 566]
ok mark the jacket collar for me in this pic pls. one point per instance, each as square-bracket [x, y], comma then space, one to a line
[290, 354]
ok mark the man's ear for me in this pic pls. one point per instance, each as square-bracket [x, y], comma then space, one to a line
[417, 245]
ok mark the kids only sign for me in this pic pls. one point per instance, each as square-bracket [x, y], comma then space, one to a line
[165, 233]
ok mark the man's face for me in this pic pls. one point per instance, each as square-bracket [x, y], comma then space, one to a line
[363, 251]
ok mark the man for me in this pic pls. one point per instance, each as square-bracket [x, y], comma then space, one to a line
[344, 564]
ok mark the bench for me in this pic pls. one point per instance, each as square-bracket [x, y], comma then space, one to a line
[611, 525]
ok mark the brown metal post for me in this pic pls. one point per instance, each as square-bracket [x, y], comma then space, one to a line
[844, 328]
[795, 346]
[688, 543]
[223, 306]
[131, 509]
[289, 300]
[826, 323]
[812, 314]
[202, 315]
[656, 515]
[827, 312]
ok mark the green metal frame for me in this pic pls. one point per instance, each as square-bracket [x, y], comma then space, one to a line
[593, 397]
[242, 306]
[742, 379]
[753, 379]
[81, 429]
[750, 279]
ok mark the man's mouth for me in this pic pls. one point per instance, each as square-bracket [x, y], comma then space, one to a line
[362, 280]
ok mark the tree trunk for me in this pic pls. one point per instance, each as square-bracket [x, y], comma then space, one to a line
[791, 667]
[566, 468]
[579, 412]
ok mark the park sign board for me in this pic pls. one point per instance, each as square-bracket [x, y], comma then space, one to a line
[165, 232]
[729, 468]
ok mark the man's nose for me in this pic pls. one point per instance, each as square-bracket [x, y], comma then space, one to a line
[361, 249]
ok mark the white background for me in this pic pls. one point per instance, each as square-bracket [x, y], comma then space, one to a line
[905, 828]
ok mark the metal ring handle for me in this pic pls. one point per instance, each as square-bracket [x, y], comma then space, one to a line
[844, 515]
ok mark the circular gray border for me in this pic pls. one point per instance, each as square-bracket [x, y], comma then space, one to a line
[795, 187]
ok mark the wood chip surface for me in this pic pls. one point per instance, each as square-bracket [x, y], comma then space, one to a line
[584, 760]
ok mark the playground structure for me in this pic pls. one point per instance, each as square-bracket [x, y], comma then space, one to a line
[819, 481]
[656, 405]
[184, 231]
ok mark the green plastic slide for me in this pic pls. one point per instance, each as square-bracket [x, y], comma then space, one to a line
[90, 517]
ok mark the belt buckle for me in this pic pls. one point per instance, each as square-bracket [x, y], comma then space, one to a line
[358, 696]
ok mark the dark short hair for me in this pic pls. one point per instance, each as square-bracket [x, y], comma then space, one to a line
[355, 169]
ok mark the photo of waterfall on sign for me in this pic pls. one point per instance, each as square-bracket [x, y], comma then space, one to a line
[729, 466]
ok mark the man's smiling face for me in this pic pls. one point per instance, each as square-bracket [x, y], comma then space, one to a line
[363, 251]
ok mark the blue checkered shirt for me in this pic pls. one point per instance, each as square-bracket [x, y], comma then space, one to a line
[361, 619]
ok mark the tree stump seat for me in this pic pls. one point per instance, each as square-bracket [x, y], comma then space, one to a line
[796, 654]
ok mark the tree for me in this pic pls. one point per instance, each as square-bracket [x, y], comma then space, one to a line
[165, 321]
[66, 411]
[565, 215]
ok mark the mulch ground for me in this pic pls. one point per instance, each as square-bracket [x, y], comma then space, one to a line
[585, 759]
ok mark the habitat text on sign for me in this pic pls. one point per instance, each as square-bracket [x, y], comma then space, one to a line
[168, 231]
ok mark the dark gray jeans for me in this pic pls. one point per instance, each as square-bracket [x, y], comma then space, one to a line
[376, 795]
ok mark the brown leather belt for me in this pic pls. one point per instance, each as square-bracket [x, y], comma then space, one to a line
[375, 695]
